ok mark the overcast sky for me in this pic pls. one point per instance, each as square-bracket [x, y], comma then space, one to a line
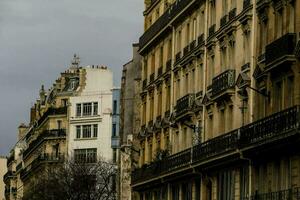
[39, 37]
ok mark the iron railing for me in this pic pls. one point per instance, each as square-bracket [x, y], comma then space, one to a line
[232, 14]
[270, 127]
[52, 111]
[152, 77]
[184, 104]
[211, 30]
[162, 22]
[186, 50]
[201, 39]
[168, 65]
[223, 82]
[246, 4]
[178, 57]
[281, 48]
[288, 194]
[215, 146]
[192, 45]
[223, 21]
[159, 71]
[43, 136]
[144, 83]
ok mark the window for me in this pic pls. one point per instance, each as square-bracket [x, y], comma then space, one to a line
[95, 130]
[59, 122]
[226, 185]
[95, 108]
[85, 155]
[78, 131]
[187, 191]
[87, 109]
[86, 131]
[64, 102]
[114, 130]
[290, 91]
[78, 109]
[115, 106]
[278, 96]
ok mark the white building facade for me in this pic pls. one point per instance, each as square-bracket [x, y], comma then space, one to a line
[90, 116]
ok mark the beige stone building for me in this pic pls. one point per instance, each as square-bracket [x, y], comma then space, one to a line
[73, 119]
[220, 95]
[3, 170]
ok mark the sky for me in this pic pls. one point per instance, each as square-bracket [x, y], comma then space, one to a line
[38, 39]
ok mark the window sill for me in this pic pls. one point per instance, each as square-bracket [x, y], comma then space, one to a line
[91, 138]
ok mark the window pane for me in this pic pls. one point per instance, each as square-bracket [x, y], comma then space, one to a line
[95, 108]
[78, 131]
[78, 109]
[115, 107]
[86, 131]
[95, 126]
[114, 130]
[87, 109]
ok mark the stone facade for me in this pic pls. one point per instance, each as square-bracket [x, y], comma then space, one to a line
[3, 170]
[219, 84]
[129, 123]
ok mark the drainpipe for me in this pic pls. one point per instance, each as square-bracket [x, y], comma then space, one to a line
[250, 172]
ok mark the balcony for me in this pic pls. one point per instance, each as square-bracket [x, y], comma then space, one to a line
[184, 104]
[192, 45]
[52, 111]
[168, 65]
[49, 134]
[40, 160]
[19, 166]
[216, 146]
[281, 51]
[211, 30]
[278, 125]
[232, 14]
[159, 71]
[177, 57]
[292, 193]
[8, 175]
[161, 24]
[10, 159]
[152, 77]
[223, 21]
[144, 83]
[186, 50]
[201, 39]
[223, 82]
[246, 4]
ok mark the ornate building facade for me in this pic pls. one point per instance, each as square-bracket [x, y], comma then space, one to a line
[220, 95]
[72, 120]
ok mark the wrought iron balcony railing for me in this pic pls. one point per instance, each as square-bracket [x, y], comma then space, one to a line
[289, 194]
[144, 83]
[9, 174]
[19, 166]
[201, 39]
[152, 77]
[267, 129]
[223, 82]
[10, 159]
[215, 146]
[271, 126]
[168, 65]
[162, 22]
[186, 50]
[53, 111]
[280, 50]
[184, 104]
[178, 57]
[223, 21]
[46, 134]
[246, 4]
[211, 30]
[159, 71]
[232, 14]
[192, 45]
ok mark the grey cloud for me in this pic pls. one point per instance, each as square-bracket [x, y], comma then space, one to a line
[39, 37]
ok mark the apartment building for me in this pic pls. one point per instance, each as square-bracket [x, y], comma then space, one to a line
[71, 120]
[220, 95]
[129, 122]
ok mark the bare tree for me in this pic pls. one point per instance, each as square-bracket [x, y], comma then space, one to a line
[75, 181]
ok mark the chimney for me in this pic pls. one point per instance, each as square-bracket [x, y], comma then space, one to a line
[32, 114]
